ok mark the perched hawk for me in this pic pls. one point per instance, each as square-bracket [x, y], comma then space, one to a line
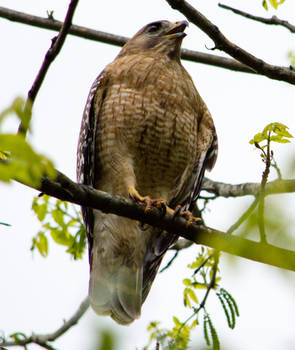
[146, 132]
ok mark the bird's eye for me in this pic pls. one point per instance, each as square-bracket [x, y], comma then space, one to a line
[154, 27]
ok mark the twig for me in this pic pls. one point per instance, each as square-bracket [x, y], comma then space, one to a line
[210, 286]
[118, 40]
[267, 160]
[212, 281]
[201, 265]
[244, 217]
[43, 339]
[274, 20]
[51, 54]
[222, 43]
[170, 262]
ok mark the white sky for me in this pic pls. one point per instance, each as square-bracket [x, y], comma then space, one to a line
[36, 293]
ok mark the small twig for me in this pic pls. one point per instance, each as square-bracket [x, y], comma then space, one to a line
[201, 265]
[261, 197]
[51, 54]
[43, 339]
[222, 43]
[274, 20]
[170, 261]
[244, 217]
[212, 282]
[210, 286]
[274, 164]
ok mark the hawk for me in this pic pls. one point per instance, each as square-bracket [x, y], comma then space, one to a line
[147, 134]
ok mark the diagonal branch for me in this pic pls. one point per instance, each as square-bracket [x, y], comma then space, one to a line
[222, 43]
[107, 38]
[65, 189]
[274, 20]
[43, 339]
[51, 54]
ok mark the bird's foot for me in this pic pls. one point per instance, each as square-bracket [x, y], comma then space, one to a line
[190, 219]
[157, 203]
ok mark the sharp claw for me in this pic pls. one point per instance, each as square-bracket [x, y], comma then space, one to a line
[177, 211]
[190, 219]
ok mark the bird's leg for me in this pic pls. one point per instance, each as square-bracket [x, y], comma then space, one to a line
[190, 219]
[158, 203]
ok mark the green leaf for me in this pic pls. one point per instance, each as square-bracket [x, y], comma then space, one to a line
[41, 242]
[264, 4]
[208, 325]
[58, 217]
[258, 138]
[23, 164]
[192, 295]
[62, 237]
[279, 139]
[187, 282]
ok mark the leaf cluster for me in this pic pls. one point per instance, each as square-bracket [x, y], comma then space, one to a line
[62, 222]
[276, 132]
[18, 160]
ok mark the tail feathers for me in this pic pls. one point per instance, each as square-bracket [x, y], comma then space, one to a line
[116, 290]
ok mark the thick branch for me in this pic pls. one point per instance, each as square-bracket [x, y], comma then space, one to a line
[65, 189]
[107, 38]
[222, 43]
[43, 339]
[274, 20]
[228, 190]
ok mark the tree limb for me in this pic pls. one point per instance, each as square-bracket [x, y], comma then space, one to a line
[51, 54]
[222, 43]
[65, 189]
[228, 190]
[43, 339]
[107, 38]
[274, 20]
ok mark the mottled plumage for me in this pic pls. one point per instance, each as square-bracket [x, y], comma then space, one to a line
[145, 128]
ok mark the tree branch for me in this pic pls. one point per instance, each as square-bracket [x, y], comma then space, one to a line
[107, 38]
[221, 189]
[65, 189]
[222, 43]
[43, 339]
[274, 20]
[51, 54]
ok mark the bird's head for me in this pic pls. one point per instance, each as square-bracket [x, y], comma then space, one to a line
[161, 37]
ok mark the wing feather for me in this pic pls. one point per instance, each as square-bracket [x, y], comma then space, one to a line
[86, 147]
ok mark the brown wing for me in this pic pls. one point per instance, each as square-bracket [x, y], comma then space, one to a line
[86, 147]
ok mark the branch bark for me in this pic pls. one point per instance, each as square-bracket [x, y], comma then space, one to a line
[222, 43]
[43, 339]
[65, 189]
[274, 20]
[228, 190]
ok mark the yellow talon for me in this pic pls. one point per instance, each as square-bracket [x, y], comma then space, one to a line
[158, 203]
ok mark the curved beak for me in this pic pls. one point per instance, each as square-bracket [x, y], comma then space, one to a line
[177, 29]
